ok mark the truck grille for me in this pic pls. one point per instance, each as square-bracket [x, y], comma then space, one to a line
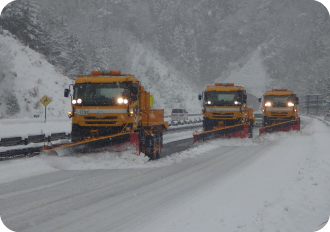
[224, 115]
[108, 117]
[98, 122]
[279, 114]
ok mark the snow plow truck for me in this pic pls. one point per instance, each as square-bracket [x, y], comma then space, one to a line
[280, 112]
[225, 113]
[111, 112]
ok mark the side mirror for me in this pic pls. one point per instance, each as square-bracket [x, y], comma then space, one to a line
[126, 94]
[66, 92]
[133, 98]
[297, 99]
[199, 97]
[259, 99]
[134, 90]
[244, 99]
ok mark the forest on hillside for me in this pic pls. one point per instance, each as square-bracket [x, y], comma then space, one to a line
[201, 39]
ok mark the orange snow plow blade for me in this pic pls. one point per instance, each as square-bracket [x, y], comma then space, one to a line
[111, 143]
[237, 131]
[283, 126]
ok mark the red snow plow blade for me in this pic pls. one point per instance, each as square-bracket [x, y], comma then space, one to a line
[111, 143]
[283, 126]
[237, 131]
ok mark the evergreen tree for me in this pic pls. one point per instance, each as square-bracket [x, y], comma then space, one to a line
[20, 17]
[77, 63]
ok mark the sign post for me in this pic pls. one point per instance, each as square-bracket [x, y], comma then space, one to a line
[45, 101]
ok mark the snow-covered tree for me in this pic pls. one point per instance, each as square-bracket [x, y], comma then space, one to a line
[21, 18]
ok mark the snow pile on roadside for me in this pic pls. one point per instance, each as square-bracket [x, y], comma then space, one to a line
[126, 160]
[106, 160]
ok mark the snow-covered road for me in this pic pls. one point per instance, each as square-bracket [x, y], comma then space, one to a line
[278, 182]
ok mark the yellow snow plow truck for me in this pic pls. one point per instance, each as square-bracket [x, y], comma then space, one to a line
[111, 112]
[225, 113]
[280, 112]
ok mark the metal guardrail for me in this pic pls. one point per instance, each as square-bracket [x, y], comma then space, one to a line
[27, 151]
[22, 152]
[31, 151]
[183, 127]
[14, 141]
[39, 138]
[168, 116]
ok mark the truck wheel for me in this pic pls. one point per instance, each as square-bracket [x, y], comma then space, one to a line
[159, 147]
[150, 147]
[161, 141]
[207, 124]
[76, 133]
[265, 121]
[250, 134]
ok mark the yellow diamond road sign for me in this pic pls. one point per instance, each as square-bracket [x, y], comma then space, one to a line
[45, 100]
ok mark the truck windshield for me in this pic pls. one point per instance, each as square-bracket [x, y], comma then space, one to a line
[99, 94]
[223, 98]
[280, 100]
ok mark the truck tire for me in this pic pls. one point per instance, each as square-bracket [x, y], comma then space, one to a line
[250, 129]
[207, 124]
[150, 148]
[154, 146]
[265, 122]
[76, 133]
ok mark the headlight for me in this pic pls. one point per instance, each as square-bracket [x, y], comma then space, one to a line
[236, 102]
[209, 102]
[290, 104]
[74, 101]
[79, 101]
[268, 104]
[122, 100]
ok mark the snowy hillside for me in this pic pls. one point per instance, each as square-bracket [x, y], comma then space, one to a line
[172, 47]
[252, 75]
[28, 79]
[170, 88]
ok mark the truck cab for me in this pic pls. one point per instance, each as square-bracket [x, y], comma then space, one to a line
[224, 105]
[279, 105]
[104, 103]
